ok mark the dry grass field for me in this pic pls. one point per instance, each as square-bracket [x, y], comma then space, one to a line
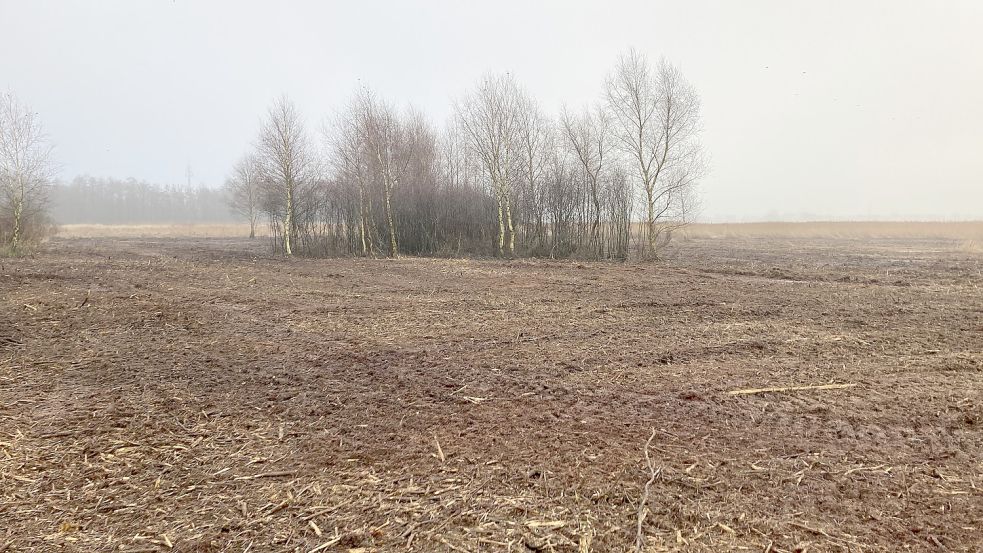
[962, 230]
[967, 235]
[217, 230]
[189, 392]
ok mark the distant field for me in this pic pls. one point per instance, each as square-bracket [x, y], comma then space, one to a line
[217, 230]
[963, 230]
[968, 233]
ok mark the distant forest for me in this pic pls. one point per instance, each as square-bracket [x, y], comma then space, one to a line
[101, 200]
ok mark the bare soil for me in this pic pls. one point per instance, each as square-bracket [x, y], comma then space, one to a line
[192, 394]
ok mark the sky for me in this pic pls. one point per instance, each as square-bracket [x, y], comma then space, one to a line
[810, 110]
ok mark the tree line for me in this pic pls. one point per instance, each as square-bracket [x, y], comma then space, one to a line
[106, 200]
[503, 177]
[32, 202]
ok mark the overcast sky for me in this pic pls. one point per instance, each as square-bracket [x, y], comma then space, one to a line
[810, 109]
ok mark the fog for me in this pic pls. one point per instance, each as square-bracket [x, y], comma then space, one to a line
[858, 110]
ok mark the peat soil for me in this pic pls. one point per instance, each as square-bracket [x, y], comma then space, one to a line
[201, 395]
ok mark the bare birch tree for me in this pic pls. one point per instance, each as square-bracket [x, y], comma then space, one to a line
[535, 144]
[26, 169]
[489, 116]
[466, 206]
[421, 211]
[657, 114]
[244, 189]
[385, 138]
[587, 136]
[286, 162]
[350, 160]
[347, 155]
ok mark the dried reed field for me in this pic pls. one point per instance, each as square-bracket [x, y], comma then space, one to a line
[217, 230]
[803, 388]
[962, 230]
[956, 230]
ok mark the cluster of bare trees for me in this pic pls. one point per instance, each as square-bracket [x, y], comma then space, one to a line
[26, 170]
[502, 178]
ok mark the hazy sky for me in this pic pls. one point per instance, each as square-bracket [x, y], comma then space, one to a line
[810, 109]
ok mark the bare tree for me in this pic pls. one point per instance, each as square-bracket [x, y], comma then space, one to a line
[26, 169]
[490, 117]
[658, 115]
[385, 138]
[349, 157]
[465, 205]
[244, 189]
[535, 144]
[421, 211]
[587, 136]
[287, 163]
[620, 207]
[561, 203]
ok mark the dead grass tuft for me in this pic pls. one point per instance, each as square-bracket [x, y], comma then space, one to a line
[971, 246]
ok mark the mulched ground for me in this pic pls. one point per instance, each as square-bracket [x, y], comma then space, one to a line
[198, 395]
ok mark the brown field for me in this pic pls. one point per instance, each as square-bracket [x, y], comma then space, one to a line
[216, 230]
[962, 230]
[195, 394]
